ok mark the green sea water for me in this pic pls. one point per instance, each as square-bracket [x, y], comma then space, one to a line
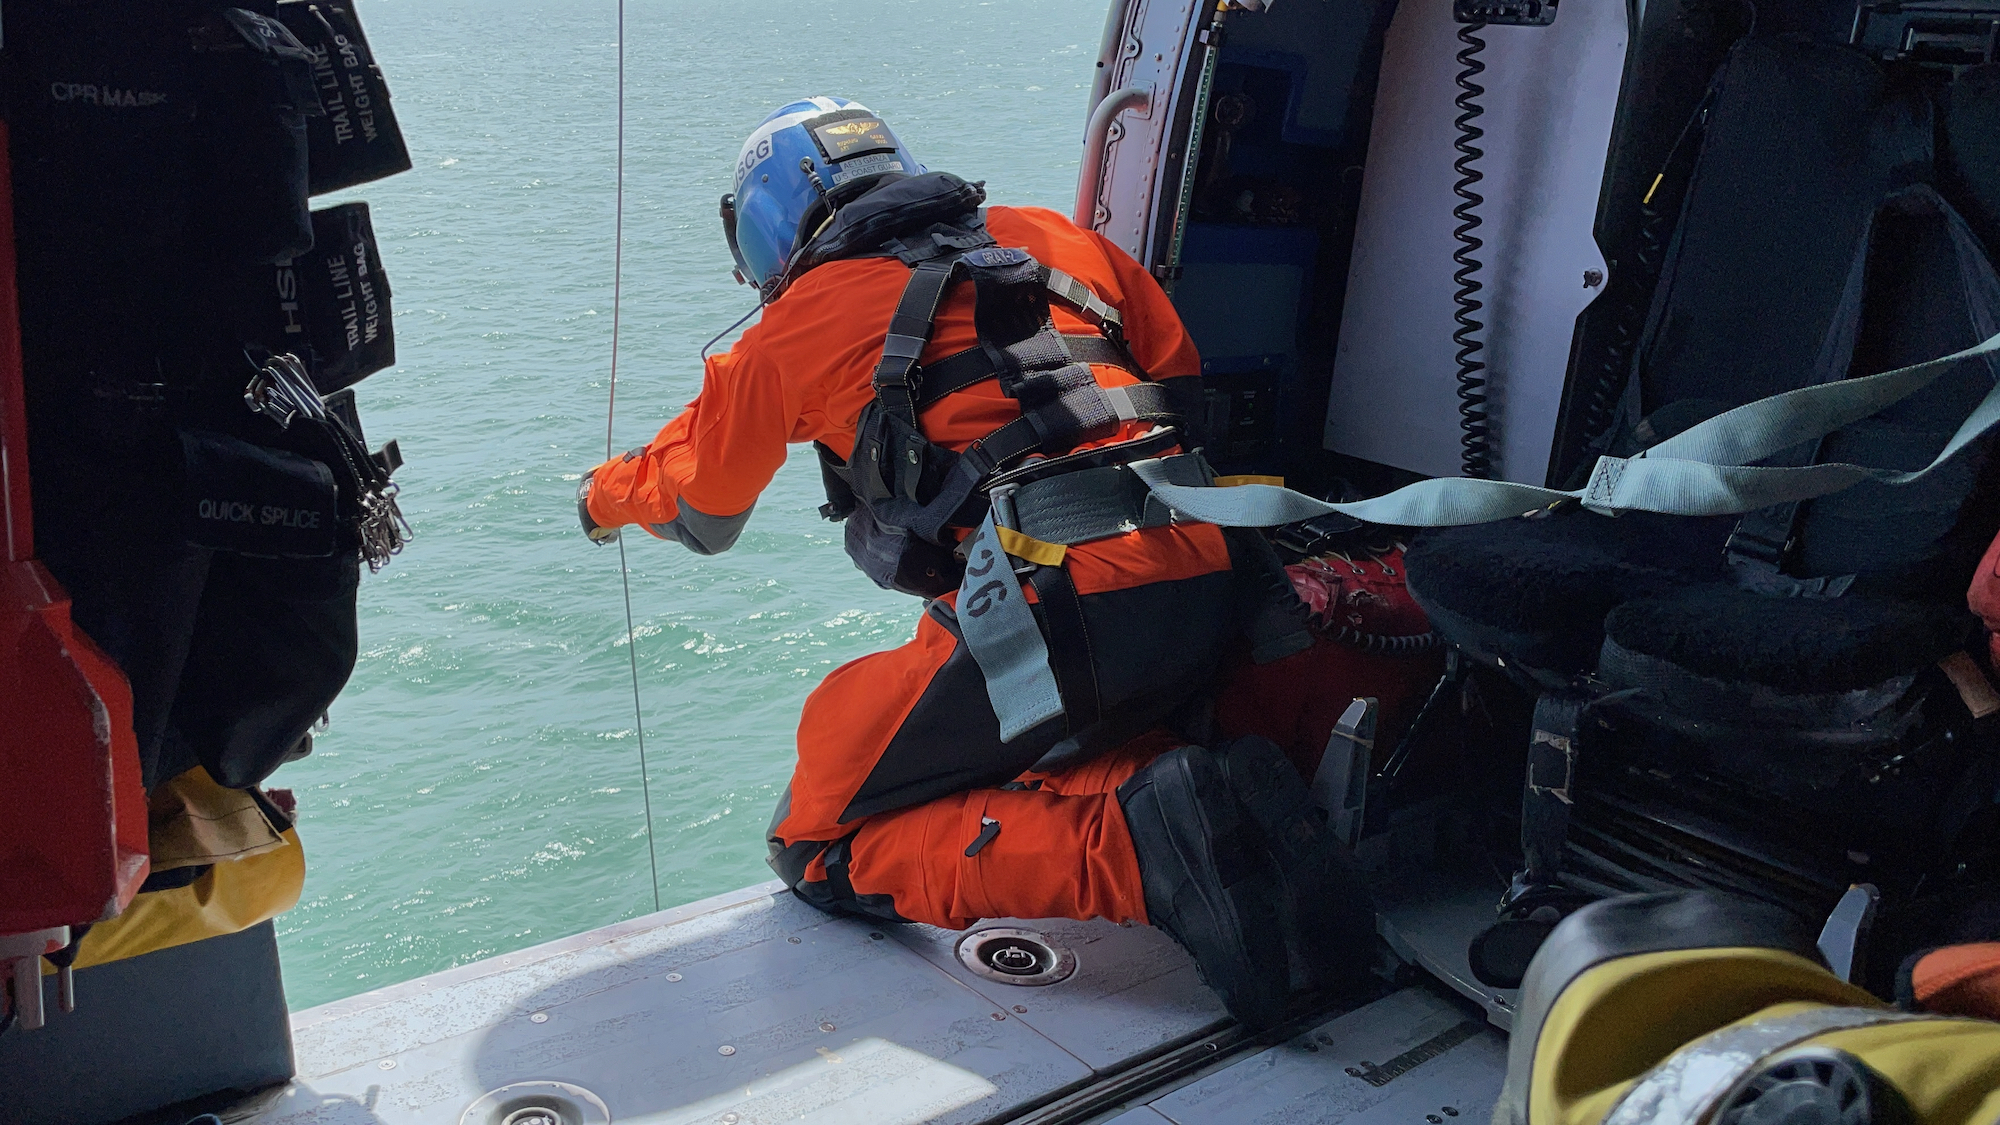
[478, 790]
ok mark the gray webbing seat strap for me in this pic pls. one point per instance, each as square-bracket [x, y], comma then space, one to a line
[1704, 471]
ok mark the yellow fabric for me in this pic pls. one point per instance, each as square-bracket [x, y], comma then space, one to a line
[1619, 1019]
[1248, 478]
[233, 895]
[1029, 549]
[191, 820]
[1949, 1070]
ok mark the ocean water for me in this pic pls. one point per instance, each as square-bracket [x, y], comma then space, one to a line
[478, 790]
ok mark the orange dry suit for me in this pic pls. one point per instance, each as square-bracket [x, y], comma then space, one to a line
[971, 772]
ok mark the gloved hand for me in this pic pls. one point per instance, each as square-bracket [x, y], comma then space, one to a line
[598, 535]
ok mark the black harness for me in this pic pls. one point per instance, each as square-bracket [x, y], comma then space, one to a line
[904, 496]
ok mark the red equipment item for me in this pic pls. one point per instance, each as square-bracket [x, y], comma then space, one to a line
[1370, 640]
[72, 808]
[1984, 597]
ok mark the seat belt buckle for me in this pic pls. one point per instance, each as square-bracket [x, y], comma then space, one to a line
[1005, 516]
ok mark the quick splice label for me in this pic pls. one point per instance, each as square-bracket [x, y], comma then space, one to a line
[256, 501]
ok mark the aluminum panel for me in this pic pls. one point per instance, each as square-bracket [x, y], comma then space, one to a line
[1133, 991]
[1408, 1057]
[763, 1008]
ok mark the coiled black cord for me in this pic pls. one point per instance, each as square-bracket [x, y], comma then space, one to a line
[1384, 644]
[1635, 292]
[1476, 436]
[1657, 209]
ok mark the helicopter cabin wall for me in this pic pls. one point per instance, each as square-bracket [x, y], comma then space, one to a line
[1445, 368]
[1268, 220]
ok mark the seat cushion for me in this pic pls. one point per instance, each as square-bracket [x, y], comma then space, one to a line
[1532, 593]
[1730, 654]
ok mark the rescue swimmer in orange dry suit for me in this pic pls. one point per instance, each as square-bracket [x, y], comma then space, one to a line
[978, 382]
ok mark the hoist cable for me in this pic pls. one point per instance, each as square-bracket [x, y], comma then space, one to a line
[610, 413]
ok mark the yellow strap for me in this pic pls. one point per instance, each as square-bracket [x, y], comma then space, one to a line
[1029, 549]
[1248, 478]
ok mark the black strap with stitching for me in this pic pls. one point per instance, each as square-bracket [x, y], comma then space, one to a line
[973, 366]
[1070, 655]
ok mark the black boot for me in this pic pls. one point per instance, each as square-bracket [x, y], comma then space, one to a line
[1207, 884]
[1328, 919]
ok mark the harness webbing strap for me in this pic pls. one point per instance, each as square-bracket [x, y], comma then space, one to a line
[1088, 504]
[909, 333]
[973, 366]
[1070, 653]
[1000, 631]
[1703, 471]
[1086, 302]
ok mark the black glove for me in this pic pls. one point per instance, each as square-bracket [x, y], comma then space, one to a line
[598, 535]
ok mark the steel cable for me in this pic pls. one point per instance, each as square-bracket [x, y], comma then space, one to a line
[610, 412]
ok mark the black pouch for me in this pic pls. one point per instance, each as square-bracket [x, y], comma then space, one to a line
[254, 500]
[294, 417]
[255, 92]
[274, 642]
[347, 300]
[357, 140]
[897, 560]
[330, 306]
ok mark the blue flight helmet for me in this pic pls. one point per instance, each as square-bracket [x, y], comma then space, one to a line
[803, 151]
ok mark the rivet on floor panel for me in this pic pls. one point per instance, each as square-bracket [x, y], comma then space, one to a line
[825, 1026]
[539, 1017]
[387, 1064]
[725, 1049]
[673, 978]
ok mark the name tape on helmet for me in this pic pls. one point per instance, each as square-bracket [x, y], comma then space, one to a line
[874, 164]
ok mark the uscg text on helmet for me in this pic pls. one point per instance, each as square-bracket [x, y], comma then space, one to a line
[108, 97]
[753, 156]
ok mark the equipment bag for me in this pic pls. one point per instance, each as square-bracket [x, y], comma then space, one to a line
[257, 501]
[274, 639]
[1370, 640]
[330, 306]
[356, 140]
[255, 93]
[274, 643]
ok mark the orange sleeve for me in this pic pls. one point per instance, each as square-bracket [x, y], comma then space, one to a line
[1153, 328]
[800, 374]
[717, 456]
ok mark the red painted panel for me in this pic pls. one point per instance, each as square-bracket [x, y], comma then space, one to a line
[72, 811]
